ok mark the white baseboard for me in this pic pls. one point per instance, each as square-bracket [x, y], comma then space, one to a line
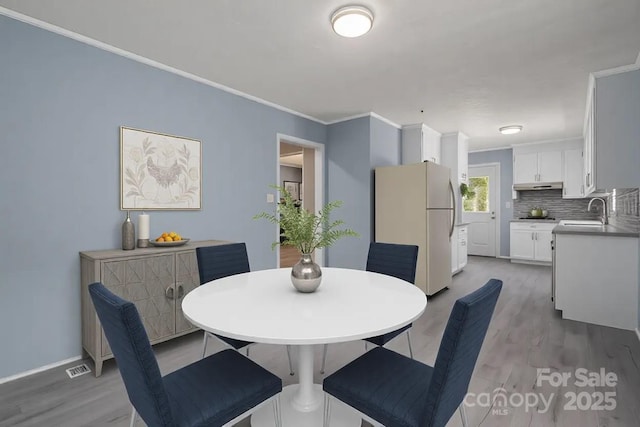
[503, 257]
[40, 369]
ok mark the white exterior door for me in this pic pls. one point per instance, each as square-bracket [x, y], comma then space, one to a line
[480, 211]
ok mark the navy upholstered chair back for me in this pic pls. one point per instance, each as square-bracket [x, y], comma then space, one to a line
[215, 262]
[393, 259]
[458, 352]
[136, 361]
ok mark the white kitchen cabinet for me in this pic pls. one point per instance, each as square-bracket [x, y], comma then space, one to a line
[543, 166]
[612, 126]
[596, 279]
[531, 241]
[420, 143]
[455, 155]
[462, 247]
[454, 251]
[573, 187]
[459, 253]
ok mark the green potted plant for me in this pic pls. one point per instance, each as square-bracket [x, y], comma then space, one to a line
[466, 192]
[307, 231]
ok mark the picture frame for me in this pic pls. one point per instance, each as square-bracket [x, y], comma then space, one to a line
[292, 188]
[159, 171]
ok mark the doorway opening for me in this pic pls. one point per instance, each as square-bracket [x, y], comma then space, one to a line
[300, 170]
[482, 210]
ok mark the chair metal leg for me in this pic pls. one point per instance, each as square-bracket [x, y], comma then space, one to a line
[204, 344]
[326, 419]
[289, 356]
[366, 346]
[324, 358]
[463, 415]
[133, 416]
[248, 350]
[277, 415]
[409, 340]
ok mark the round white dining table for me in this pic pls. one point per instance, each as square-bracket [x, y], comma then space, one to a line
[263, 306]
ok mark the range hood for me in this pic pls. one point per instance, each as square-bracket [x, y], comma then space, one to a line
[538, 186]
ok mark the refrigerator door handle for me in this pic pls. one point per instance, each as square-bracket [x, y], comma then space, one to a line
[453, 201]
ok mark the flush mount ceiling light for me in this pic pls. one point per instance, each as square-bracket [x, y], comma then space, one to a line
[352, 21]
[510, 130]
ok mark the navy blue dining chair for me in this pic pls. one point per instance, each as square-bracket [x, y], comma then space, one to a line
[216, 262]
[219, 390]
[395, 260]
[393, 390]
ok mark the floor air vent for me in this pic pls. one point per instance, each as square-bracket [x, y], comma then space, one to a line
[76, 371]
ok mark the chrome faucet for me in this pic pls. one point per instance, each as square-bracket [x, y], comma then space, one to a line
[605, 214]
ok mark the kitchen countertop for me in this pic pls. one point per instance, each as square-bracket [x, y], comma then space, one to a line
[545, 221]
[603, 230]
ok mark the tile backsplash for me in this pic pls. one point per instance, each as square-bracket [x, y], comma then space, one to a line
[624, 208]
[552, 201]
[623, 205]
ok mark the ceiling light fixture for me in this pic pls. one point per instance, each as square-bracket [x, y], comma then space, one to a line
[352, 21]
[510, 130]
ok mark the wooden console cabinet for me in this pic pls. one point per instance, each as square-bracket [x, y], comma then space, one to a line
[154, 279]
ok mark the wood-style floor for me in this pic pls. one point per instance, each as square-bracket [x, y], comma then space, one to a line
[525, 334]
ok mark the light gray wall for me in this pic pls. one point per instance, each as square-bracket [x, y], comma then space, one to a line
[289, 173]
[385, 151]
[354, 148]
[61, 105]
[618, 131]
[505, 158]
[348, 176]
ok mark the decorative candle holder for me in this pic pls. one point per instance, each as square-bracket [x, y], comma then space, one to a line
[143, 243]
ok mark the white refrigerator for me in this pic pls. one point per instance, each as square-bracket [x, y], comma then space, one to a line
[414, 204]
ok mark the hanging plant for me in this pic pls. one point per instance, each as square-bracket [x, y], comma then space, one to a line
[466, 192]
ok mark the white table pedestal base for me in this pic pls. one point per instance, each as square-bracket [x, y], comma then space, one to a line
[341, 415]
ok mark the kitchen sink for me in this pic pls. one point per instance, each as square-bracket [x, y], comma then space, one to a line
[581, 223]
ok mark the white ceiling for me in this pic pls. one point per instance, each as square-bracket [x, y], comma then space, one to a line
[467, 65]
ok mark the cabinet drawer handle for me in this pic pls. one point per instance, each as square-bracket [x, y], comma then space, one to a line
[180, 291]
[531, 236]
[169, 293]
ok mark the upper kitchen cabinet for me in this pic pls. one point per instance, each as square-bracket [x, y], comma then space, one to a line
[420, 143]
[573, 187]
[612, 131]
[455, 155]
[536, 164]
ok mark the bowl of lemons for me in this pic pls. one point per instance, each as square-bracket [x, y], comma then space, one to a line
[169, 239]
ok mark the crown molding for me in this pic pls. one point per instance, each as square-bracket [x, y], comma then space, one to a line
[384, 119]
[546, 141]
[369, 114]
[482, 150]
[617, 70]
[138, 58]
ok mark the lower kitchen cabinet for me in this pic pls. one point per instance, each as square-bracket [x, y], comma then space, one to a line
[459, 248]
[155, 279]
[596, 279]
[531, 241]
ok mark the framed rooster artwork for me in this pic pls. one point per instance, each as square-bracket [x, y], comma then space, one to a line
[159, 171]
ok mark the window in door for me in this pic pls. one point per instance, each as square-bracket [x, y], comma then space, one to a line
[479, 186]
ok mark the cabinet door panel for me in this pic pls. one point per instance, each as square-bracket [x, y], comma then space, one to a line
[144, 281]
[188, 278]
[573, 163]
[522, 244]
[525, 168]
[550, 166]
[543, 246]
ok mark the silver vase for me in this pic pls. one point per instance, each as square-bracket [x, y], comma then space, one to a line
[128, 234]
[306, 274]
